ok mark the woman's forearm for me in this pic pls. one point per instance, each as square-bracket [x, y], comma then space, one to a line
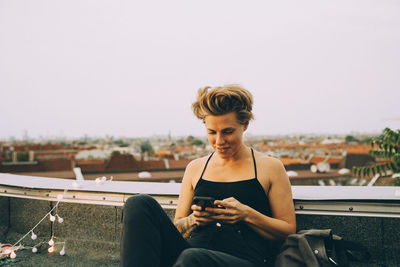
[186, 225]
[268, 227]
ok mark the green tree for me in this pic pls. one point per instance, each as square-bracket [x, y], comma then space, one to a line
[146, 146]
[23, 156]
[197, 142]
[121, 143]
[115, 153]
[350, 138]
[386, 148]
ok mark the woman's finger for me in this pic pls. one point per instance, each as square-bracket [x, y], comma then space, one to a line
[225, 219]
[227, 203]
[195, 207]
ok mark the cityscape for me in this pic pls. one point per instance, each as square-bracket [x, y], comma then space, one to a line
[308, 159]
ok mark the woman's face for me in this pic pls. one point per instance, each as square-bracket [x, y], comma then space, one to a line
[225, 133]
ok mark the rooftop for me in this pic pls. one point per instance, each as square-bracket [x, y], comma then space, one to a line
[92, 210]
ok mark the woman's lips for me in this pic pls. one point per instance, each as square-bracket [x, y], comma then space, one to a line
[222, 149]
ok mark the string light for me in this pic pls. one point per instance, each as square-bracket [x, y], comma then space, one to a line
[11, 252]
[13, 255]
[98, 181]
[33, 236]
[62, 252]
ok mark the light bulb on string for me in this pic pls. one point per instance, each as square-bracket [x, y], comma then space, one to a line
[62, 252]
[34, 249]
[33, 236]
[52, 218]
[60, 196]
[51, 249]
[51, 242]
[13, 255]
[97, 181]
[60, 220]
[103, 179]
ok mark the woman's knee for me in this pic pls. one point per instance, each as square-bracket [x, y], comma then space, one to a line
[191, 257]
[138, 204]
[139, 201]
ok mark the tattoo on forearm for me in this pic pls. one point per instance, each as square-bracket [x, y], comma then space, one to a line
[186, 226]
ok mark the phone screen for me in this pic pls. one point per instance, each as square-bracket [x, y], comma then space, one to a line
[204, 202]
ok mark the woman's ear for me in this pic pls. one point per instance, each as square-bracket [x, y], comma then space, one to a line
[245, 126]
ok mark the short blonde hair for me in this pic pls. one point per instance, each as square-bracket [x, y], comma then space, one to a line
[221, 100]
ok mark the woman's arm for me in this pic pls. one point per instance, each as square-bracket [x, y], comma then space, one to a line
[184, 222]
[187, 216]
[283, 220]
[185, 225]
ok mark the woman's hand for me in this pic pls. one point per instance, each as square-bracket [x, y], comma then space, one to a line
[230, 211]
[201, 217]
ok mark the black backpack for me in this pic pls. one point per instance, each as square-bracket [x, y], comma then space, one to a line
[319, 248]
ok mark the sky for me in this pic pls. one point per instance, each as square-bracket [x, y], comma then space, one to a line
[133, 68]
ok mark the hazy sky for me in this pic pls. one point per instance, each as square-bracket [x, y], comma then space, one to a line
[132, 68]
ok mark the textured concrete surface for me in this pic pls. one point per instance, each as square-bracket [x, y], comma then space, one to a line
[25, 258]
[26, 213]
[4, 215]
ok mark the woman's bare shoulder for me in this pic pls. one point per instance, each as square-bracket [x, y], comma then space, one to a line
[194, 169]
[267, 161]
[269, 167]
[196, 164]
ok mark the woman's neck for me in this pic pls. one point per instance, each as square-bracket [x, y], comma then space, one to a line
[241, 153]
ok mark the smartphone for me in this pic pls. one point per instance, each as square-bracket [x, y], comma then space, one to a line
[204, 202]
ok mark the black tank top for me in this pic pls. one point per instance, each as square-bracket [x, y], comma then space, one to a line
[236, 239]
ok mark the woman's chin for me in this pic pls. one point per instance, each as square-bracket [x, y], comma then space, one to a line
[223, 153]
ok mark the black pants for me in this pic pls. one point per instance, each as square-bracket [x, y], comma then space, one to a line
[150, 239]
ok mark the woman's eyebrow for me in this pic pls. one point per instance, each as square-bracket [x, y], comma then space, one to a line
[228, 129]
[223, 130]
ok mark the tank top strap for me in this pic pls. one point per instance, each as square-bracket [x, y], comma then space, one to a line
[254, 161]
[205, 166]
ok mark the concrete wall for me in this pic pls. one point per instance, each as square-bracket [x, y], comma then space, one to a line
[379, 234]
[4, 216]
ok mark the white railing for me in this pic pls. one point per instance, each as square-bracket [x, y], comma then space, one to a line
[378, 201]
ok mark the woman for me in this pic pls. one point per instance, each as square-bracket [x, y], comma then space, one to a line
[253, 207]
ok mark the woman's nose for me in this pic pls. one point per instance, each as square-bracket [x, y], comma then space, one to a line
[220, 140]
